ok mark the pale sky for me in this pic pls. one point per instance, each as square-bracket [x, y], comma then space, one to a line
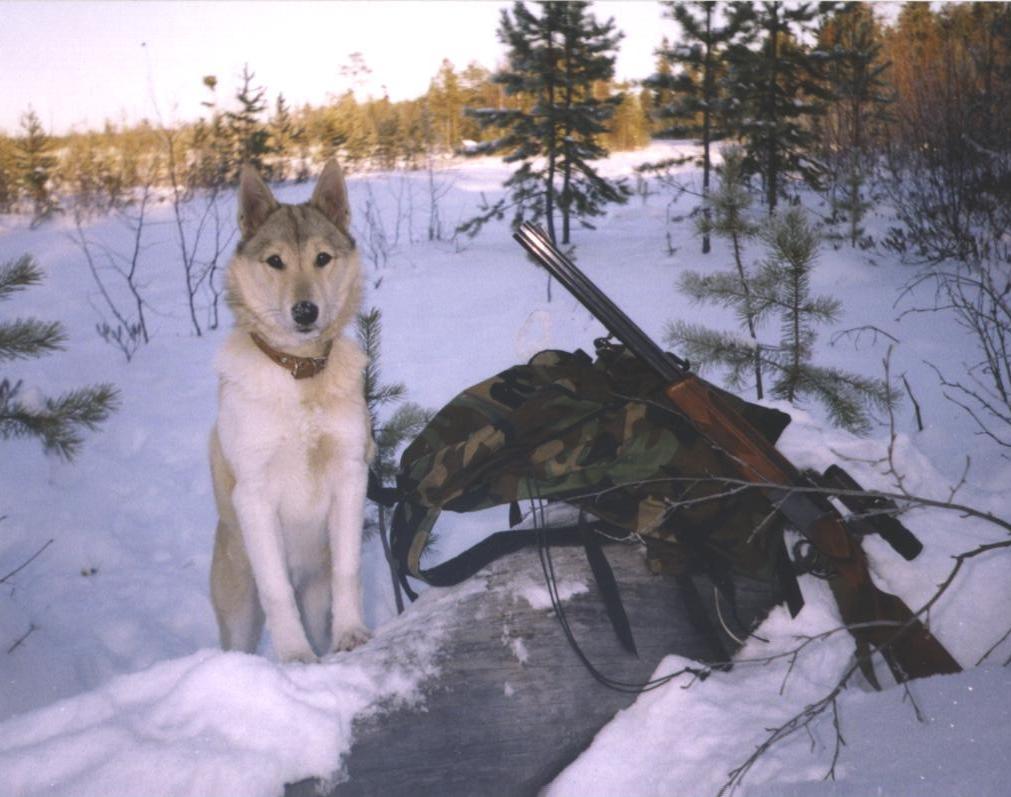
[79, 62]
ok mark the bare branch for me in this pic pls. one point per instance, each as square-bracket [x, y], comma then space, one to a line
[27, 562]
[17, 642]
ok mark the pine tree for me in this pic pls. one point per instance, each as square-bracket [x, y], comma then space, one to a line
[8, 175]
[91, 176]
[775, 81]
[856, 76]
[629, 127]
[554, 61]
[284, 138]
[589, 50]
[35, 164]
[781, 288]
[57, 422]
[479, 91]
[660, 86]
[387, 133]
[249, 135]
[696, 104]
[445, 104]
[211, 163]
[728, 217]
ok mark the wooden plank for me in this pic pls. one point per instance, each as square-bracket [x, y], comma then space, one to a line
[512, 704]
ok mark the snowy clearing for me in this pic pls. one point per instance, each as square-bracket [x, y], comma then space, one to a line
[109, 666]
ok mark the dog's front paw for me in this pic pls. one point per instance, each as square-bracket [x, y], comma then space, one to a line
[299, 657]
[349, 638]
[295, 650]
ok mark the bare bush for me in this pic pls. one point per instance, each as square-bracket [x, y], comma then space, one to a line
[127, 329]
[979, 298]
[202, 233]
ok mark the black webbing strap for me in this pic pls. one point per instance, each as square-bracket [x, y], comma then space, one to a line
[700, 620]
[495, 546]
[502, 543]
[608, 587]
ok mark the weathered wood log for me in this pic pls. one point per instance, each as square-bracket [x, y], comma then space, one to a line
[512, 704]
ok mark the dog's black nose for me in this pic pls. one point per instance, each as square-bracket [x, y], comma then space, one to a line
[304, 313]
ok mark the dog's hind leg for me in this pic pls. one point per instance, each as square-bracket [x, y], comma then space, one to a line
[233, 590]
[233, 593]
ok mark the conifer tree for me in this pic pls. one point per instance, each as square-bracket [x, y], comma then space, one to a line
[856, 74]
[629, 127]
[445, 104]
[729, 217]
[211, 161]
[696, 104]
[8, 175]
[554, 60]
[660, 85]
[387, 132]
[781, 289]
[776, 82]
[57, 422]
[35, 164]
[284, 138]
[250, 136]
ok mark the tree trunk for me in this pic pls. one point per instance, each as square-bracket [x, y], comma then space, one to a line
[511, 704]
[551, 155]
[749, 315]
[709, 93]
[772, 151]
[566, 199]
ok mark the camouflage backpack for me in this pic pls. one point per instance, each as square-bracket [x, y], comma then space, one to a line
[598, 434]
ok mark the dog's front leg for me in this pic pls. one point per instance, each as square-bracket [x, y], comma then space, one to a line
[265, 547]
[347, 515]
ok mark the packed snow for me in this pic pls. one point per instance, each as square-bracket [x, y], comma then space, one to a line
[109, 663]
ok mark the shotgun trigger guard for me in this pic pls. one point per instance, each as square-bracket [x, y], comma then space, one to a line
[808, 560]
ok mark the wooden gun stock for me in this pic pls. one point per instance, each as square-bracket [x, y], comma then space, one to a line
[875, 618]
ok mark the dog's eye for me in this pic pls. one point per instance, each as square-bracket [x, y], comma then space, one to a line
[322, 259]
[274, 261]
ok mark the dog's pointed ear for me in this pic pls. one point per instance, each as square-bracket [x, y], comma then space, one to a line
[331, 196]
[255, 201]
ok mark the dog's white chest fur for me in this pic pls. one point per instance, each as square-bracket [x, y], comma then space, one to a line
[297, 452]
[287, 438]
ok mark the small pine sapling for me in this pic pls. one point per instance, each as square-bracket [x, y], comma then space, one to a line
[57, 422]
[781, 287]
[784, 282]
[728, 217]
[406, 421]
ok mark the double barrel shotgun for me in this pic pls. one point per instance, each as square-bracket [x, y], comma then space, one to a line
[877, 619]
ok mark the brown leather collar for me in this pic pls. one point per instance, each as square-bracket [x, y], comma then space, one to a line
[298, 367]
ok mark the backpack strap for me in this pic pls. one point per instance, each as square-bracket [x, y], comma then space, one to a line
[412, 526]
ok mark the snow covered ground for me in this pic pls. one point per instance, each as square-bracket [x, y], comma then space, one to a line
[118, 681]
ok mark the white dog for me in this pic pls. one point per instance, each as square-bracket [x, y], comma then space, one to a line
[291, 447]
